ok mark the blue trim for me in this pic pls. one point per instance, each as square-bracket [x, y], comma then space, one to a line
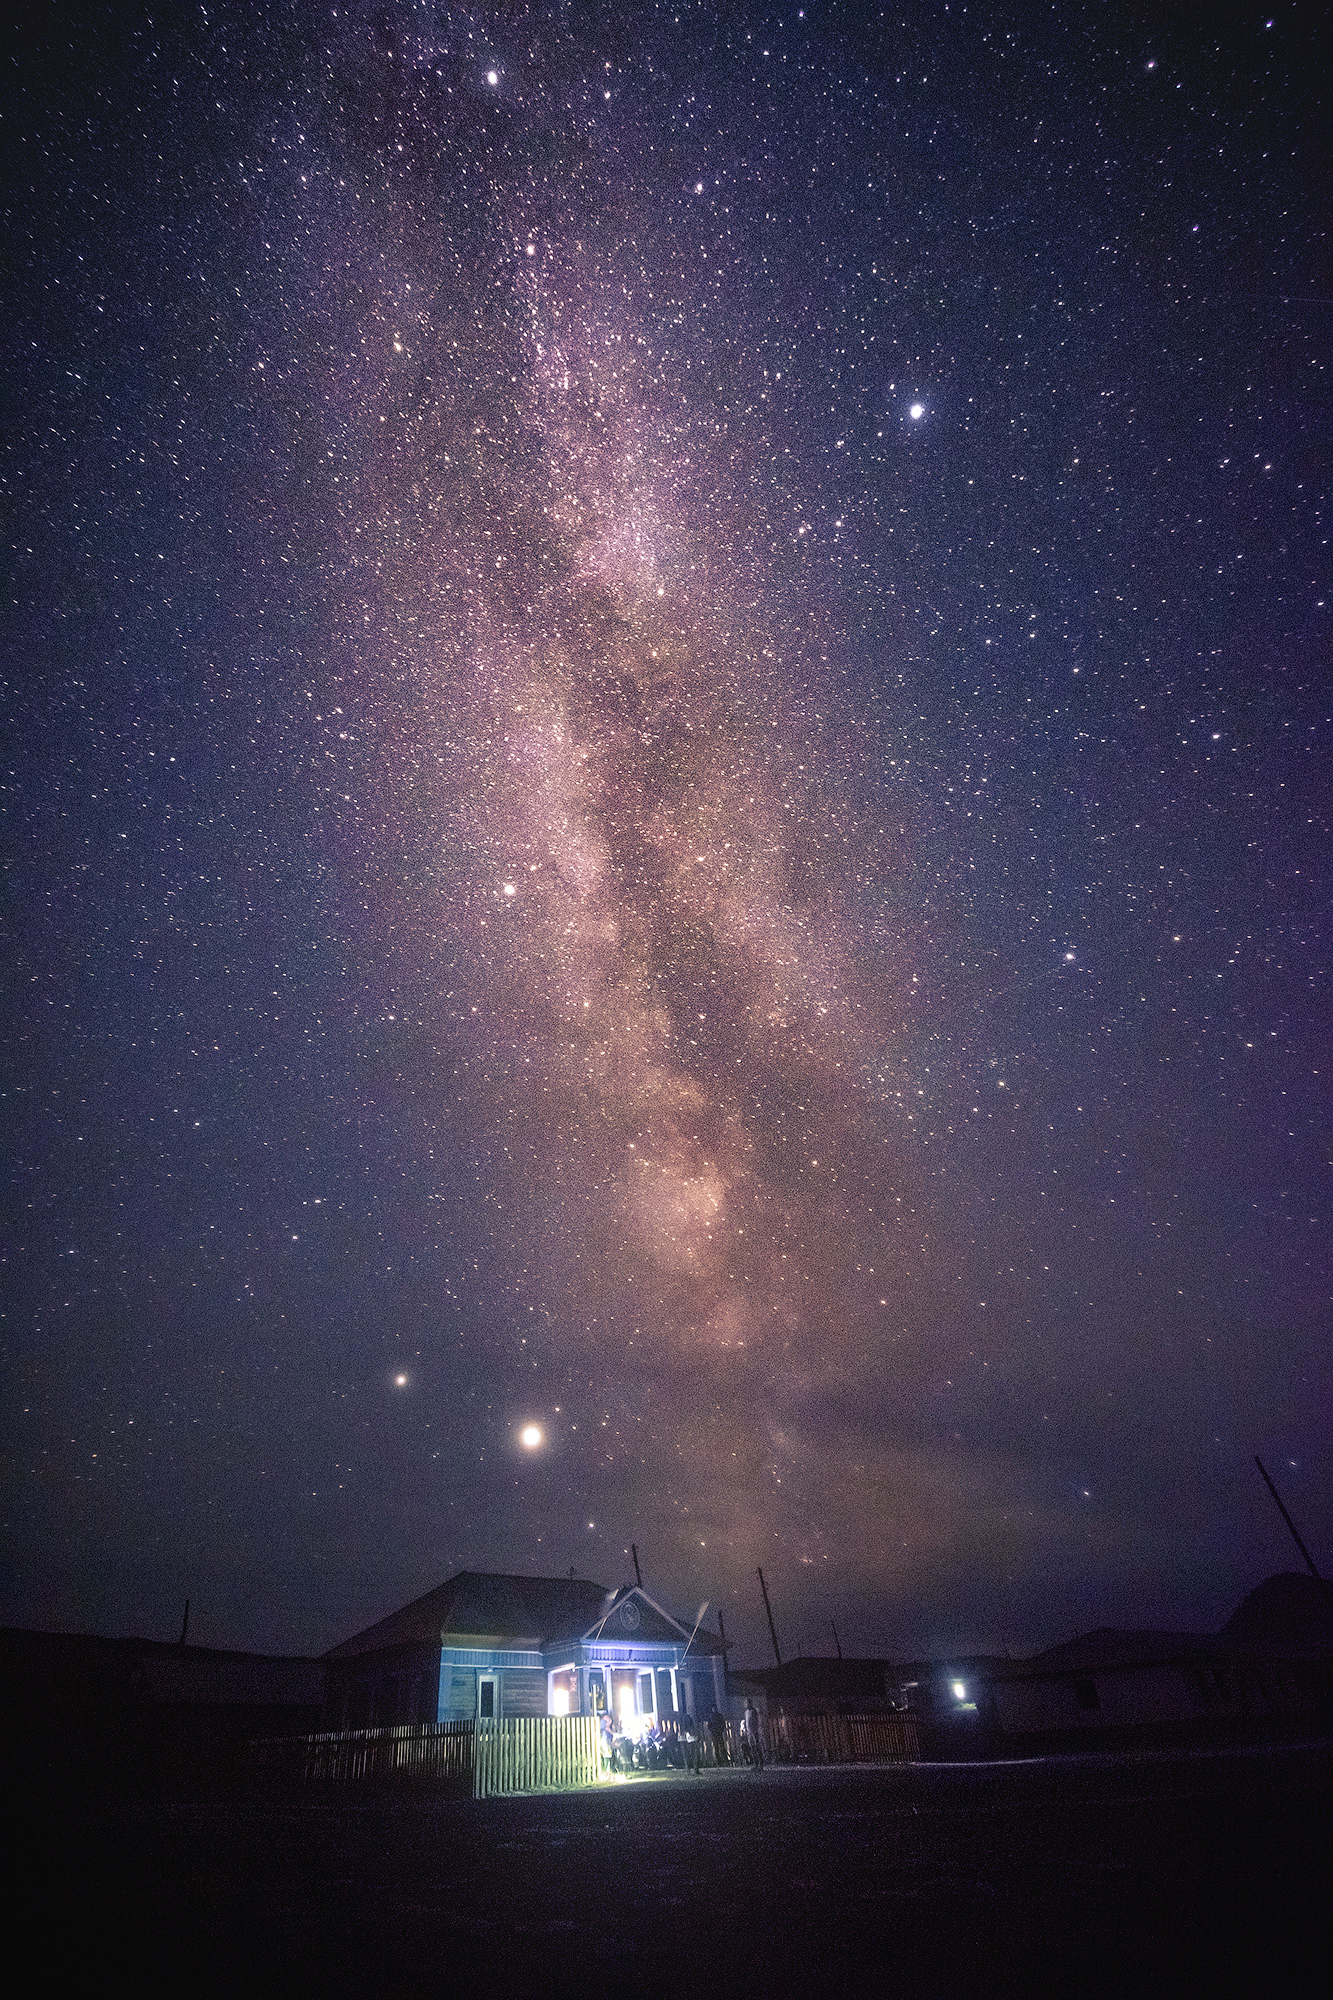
[647, 1653]
[465, 1656]
[653, 1653]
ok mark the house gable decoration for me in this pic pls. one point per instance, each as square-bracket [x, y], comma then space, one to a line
[639, 1618]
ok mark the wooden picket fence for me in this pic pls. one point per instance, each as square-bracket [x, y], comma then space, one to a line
[842, 1739]
[536, 1753]
[549, 1752]
[425, 1750]
[523, 1754]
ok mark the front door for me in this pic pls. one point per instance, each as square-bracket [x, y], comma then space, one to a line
[488, 1697]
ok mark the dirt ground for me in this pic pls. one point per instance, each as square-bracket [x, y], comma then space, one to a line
[1174, 1874]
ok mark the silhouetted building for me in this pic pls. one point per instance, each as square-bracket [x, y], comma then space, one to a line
[1269, 1671]
[1288, 1613]
[130, 1712]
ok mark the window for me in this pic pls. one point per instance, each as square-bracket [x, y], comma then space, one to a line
[488, 1706]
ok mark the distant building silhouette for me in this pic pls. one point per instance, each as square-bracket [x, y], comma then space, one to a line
[1269, 1671]
[139, 1713]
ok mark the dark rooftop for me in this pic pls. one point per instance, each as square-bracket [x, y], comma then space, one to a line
[526, 1610]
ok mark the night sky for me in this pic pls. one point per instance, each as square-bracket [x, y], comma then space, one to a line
[666, 776]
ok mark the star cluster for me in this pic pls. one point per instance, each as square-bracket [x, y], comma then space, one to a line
[666, 813]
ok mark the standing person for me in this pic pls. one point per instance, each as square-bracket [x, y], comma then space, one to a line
[717, 1729]
[752, 1742]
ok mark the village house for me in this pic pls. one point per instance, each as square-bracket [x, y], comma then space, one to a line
[1268, 1672]
[126, 1713]
[489, 1647]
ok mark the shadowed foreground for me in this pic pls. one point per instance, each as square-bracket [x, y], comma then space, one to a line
[1083, 1875]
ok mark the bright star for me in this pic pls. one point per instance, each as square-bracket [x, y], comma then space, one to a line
[530, 1436]
[917, 411]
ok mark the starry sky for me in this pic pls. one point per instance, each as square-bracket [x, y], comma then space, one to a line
[666, 777]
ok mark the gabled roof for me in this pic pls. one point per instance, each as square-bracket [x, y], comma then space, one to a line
[1287, 1613]
[1110, 1647]
[635, 1618]
[80, 1667]
[529, 1611]
[823, 1677]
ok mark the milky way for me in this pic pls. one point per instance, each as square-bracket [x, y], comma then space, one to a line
[669, 685]
[648, 866]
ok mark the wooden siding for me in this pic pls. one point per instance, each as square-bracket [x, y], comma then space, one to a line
[522, 1692]
[462, 1695]
[1149, 1694]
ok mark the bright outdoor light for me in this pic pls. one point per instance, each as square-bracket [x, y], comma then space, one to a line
[959, 1691]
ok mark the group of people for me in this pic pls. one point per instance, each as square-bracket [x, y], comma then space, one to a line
[685, 1744]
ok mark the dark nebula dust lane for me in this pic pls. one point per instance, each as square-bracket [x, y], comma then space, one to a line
[668, 699]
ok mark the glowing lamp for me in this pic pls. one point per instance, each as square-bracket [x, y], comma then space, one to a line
[959, 1690]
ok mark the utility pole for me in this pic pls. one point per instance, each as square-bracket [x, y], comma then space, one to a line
[836, 1640]
[772, 1633]
[1309, 1559]
[634, 1551]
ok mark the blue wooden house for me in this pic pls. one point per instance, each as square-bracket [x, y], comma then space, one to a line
[488, 1646]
